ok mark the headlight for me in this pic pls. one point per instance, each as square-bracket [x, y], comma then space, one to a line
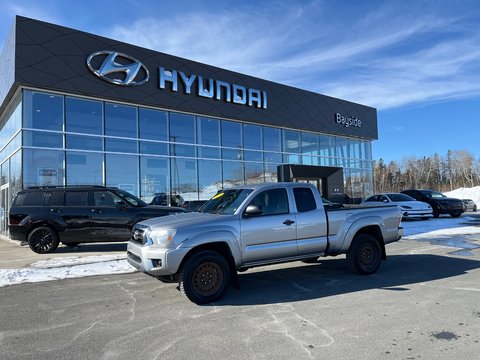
[162, 237]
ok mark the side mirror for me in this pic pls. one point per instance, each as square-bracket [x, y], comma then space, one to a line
[121, 205]
[253, 210]
[385, 201]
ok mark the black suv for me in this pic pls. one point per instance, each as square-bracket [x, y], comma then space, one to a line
[46, 216]
[439, 202]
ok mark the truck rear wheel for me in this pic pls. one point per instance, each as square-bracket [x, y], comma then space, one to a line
[204, 277]
[364, 255]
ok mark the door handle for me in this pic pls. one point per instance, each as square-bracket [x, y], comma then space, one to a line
[55, 210]
[96, 211]
[289, 222]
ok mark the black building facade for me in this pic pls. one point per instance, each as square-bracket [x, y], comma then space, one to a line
[77, 108]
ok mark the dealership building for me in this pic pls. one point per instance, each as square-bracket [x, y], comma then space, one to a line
[78, 109]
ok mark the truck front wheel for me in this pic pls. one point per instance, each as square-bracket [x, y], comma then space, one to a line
[204, 277]
[364, 255]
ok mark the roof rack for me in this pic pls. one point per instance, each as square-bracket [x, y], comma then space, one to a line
[66, 186]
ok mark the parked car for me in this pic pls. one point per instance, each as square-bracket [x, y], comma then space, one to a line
[258, 225]
[409, 207]
[469, 205]
[46, 216]
[161, 199]
[439, 202]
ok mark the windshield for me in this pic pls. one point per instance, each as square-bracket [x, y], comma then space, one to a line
[225, 201]
[400, 197]
[432, 194]
[129, 198]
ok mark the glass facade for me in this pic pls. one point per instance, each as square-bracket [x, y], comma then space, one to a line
[68, 140]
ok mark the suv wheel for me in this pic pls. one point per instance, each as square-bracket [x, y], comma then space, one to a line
[436, 212]
[42, 240]
[455, 214]
[204, 277]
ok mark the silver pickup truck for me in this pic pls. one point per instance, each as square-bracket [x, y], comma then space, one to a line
[256, 225]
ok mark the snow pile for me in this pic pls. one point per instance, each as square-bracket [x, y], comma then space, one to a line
[466, 193]
[66, 268]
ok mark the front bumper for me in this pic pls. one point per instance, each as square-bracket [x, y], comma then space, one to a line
[406, 214]
[155, 261]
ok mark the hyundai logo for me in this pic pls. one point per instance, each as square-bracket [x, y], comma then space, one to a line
[118, 68]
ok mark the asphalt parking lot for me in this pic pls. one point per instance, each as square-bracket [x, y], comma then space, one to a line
[424, 303]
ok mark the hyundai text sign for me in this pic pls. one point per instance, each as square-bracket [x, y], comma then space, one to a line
[125, 70]
[350, 121]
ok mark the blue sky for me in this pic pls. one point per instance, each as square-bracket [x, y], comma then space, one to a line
[417, 62]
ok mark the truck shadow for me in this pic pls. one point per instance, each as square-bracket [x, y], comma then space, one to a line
[331, 277]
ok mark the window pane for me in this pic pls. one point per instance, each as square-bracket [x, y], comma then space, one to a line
[15, 173]
[153, 124]
[341, 144]
[254, 173]
[184, 178]
[4, 173]
[76, 198]
[271, 139]
[154, 177]
[327, 145]
[42, 139]
[84, 142]
[43, 111]
[147, 147]
[43, 167]
[182, 150]
[252, 137]
[231, 134]
[232, 174]
[120, 120]
[291, 159]
[208, 152]
[271, 172]
[273, 157]
[122, 172]
[309, 144]
[208, 131]
[291, 141]
[252, 155]
[304, 199]
[272, 202]
[230, 154]
[84, 168]
[83, 116]
[209, 178]
[182, 128]
[121, 145]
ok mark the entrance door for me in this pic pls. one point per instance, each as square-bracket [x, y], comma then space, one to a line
[4, 210]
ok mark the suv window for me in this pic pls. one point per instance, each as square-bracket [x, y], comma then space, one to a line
[106, 198]
[304, 199]
[76, 198]
[34, 198]
[272, 202]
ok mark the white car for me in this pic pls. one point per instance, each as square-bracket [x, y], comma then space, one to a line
[410, 207]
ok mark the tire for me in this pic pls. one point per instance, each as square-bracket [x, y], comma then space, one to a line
[436, 213]
[365, 254]
[204, 277]
[43, 240]
[455, 215]
[71, 245]
[424, 218]
[312, 260]
[474, 208]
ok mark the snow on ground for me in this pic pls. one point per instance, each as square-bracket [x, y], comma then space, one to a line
[444, 231]
[66, 268]
[466, 193]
